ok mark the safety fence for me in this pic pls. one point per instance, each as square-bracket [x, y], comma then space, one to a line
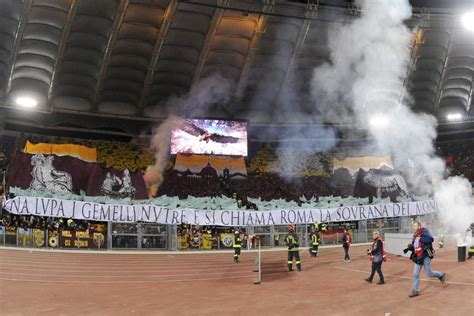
[143, 236]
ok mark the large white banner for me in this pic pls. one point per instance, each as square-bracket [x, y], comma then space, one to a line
[162, 215]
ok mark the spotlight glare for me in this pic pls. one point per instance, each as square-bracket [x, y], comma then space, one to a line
[378, 121]
[468, 20]
[454, 117]
[26, 102]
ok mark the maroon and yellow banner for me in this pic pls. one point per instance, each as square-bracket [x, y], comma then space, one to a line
[82, 239]
[67, 175]
[77, 151]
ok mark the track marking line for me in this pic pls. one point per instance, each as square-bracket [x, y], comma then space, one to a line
[120, 276]
[405, 277]
[125, 282]
[437, 259]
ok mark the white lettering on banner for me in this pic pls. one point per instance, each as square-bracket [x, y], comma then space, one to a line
[162, 215]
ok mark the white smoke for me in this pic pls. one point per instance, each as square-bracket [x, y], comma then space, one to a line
[310, 142]
[160, 145]
[454, 199]
[298, 144]
[207, 94]
[365, 85]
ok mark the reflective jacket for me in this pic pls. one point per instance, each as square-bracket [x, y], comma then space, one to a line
[292, 242]
[237, 241]
[314, 239]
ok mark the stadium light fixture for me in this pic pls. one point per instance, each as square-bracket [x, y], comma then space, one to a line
[26, 102]
[378, 121]
[468, 20]
[454, 117]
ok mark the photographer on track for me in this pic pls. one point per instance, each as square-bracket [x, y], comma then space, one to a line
[421, 254]
[377, 256]
[346, 244]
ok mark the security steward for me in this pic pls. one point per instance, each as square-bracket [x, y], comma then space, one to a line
[293, 248]
[314, 241]
[237, 245]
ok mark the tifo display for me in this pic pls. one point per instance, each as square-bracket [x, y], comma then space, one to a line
[213, 137]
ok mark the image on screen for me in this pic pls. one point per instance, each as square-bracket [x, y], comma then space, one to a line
[210, 137]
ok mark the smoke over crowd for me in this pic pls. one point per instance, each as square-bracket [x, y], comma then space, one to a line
[204, 95]
[366, 76]
[364, 85]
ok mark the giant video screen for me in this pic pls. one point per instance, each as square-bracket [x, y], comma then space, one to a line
[211, 137]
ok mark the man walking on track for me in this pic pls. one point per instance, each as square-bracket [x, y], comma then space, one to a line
[422, 253]
[314, 241]
[377, 256]
[293, 248]
[346, 243]
[237, 245]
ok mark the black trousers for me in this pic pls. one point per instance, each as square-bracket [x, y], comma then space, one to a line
[376, 266]
[314, 250]
[236, 254]
[346, 253]
[296, 256]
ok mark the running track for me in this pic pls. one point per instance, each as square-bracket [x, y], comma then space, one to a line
[78, 283]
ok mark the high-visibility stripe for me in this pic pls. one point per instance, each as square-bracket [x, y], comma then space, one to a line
[290, 262]
[298, 262]
[237, 246]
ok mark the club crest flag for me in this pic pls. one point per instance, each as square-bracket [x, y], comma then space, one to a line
[68, 175]
[370, 177]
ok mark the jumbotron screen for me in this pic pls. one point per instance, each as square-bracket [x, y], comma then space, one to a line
[211, 137]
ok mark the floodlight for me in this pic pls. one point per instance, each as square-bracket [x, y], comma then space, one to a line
[454, 117]
[468, 20]
[378, 121]
[26, 102]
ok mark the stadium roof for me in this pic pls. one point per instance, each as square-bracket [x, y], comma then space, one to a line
[111, 66]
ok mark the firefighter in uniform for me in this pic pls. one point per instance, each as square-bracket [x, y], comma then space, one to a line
[314, 241]
[237, 245]
[293, 248]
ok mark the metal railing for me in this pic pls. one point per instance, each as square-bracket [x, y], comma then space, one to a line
[143, 236]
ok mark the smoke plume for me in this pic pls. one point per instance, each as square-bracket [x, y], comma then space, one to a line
[160, 145]
[272, 100]
[365, 84]
[210, 93]
[454, 199]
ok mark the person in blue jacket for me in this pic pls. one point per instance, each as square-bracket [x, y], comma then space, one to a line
[421, 254]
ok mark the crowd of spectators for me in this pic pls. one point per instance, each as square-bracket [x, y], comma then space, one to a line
[266, 187]
[265, 179]
[182, 185]
[44, 223]
[459, 158]
[266, 183]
